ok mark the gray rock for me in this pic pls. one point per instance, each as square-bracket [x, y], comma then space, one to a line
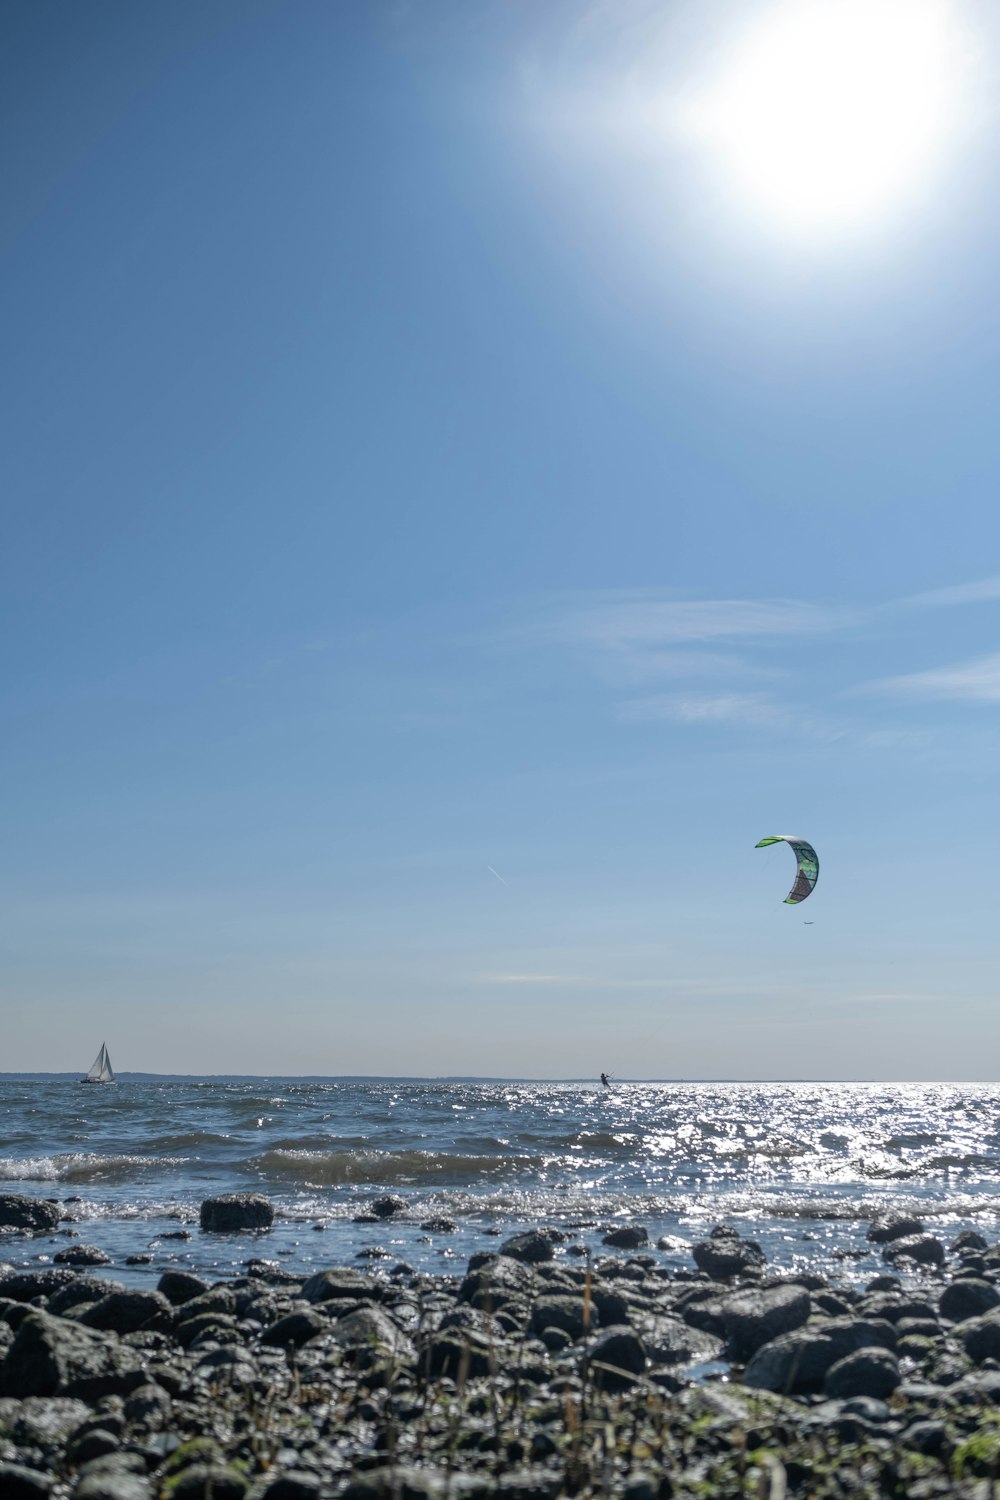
[149, 1406]
[130, 1311]
[293, 1484]
[19, 1214]
[628, 1237]
[217, 1481]
[295, 1329]
[52, 1356]
[439, 1226]
[726, 1254]
[20, 1483]
[343, 1286]
[968, 1298]
[218, 1325]
[81, 1255]
[372, 1329]
[80, 1290]
[968, 1239]
[753, 1318]
[669, 1341]
[615, 1357]
[388, 1206]
[400, 1483]
[925, 1249]
[181, 1286]
[930, 1437]
[25, 1286]
[797, 1362]
[555, 1310]
[230, 1212]
[96, 1442]
[981, 1336]
[866, 1372]
[531, 1248]
[113, 1486]
[42, 1422]
[497, 1281]
[895, 1227]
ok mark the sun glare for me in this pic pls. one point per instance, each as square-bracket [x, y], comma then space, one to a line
[831, 111]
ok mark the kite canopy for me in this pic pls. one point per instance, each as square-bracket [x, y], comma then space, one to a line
[807, 873]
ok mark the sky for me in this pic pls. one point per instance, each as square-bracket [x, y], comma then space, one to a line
[471, 470]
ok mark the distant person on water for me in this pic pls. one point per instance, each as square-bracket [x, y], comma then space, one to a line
[606, 1080]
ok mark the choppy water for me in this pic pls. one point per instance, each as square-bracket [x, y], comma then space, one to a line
[801, 1167]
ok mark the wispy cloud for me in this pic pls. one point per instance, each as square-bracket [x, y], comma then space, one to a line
[705, 708]
[961, 593]
[576, 981]
[975, 681]
[651, 622]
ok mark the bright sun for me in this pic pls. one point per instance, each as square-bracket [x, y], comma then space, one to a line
[831, 111]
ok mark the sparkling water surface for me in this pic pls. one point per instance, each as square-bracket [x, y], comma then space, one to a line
[801, 1167]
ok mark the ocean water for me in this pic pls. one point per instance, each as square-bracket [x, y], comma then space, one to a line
[801, 1167]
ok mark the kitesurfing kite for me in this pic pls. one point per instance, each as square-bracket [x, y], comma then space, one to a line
[807, 871]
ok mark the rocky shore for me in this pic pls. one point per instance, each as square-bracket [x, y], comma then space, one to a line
[541, 1371]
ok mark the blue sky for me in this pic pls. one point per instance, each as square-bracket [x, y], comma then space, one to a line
[416, 462]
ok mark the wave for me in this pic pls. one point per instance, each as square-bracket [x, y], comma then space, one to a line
[385, 1168]
[85, 1166]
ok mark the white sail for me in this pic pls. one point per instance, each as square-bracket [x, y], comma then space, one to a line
[101, 1070]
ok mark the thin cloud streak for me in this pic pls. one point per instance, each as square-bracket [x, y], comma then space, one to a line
[975, 681]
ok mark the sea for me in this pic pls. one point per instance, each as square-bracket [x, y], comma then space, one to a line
[803, 1168]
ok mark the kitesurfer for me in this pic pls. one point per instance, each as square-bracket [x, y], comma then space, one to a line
[606, 1080]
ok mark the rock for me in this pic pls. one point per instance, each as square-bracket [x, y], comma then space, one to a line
[439, 1226]
[866, 1372]
[628, 1237]
[81, 1255]
[96, 1442]
[25, 1286]
[497, 1281]
[555, 1310]
[79, 1290]
[968, 1298]
[925, 1249]
[401, 1482]
[981, 1337]
[218, 1481]
[113, 1486]
[295, 1329]
[470, 1355]
[343, 1286]
[797, 1362]
[128, 1312]
[615, 1357]
[388, 1206]
[293, 1484]
[215, 1325]
[968, 1239]
[531, 1248]
[372, 1330]
[753, 1318]
[26, 1215]
[149, 1406]
[895, 1227]
[669, 1341]
[230, 1212]
[20, 1483]
[725, 1255]
[180, 1286]
[930, 1437]
[51, 1356]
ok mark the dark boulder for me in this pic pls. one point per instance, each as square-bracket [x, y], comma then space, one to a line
[532, 1247]
[388, 1206]
[968, 1298]
[25, 1286]
[20, 1483]
[343, 1286]
[753, 1318]
[628, 1237]
[866, 1372]
[231, 1212]
[218, 1481]
[968, 1239]
[293, 1484]
[669, 1341]
[797, 1362]
[726, 1254]
[81, 1255]
[615, 1358]
[981, 1337]
[925, 1249]
[895, 1227]
[52, 1356]
[180, 1286]
[497, 1282]
[21, 1215]
[295, 1329]
[130, 1311]
[555, 1310]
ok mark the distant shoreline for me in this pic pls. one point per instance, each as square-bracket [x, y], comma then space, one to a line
[125, 1077]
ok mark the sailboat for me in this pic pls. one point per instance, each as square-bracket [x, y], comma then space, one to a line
[101, 1071]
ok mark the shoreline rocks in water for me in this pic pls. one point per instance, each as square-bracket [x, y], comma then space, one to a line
[532, 1376]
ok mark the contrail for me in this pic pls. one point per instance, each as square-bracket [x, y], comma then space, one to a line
[499, 877]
